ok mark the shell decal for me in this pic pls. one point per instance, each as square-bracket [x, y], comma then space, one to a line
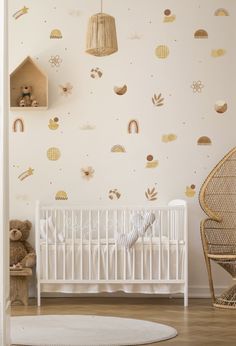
[120, 90]
[118, 149]
[56, 33]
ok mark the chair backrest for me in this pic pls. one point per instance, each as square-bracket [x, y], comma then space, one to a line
[217, 198]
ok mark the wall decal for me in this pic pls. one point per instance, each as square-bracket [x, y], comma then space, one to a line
[135, 36]
[201, 33]
[55, 61]
[133, 126]
[120, 90]
[53, 123]
[221, 106]
[151, 163]
[26, 174]
[56, 33]
[114, 194]
[21, 12]
[87, 172]
[221, 12]
[190, 191]
[169, 138]
[87, 126]
[118, 149]
[22, 197]
[216, 53]
[204, 140]
[18, 125]
[151, 194]
[61, 196]
[53, 154]
[168, 18]
[162, 51]
[158, 101]
[197, 86]
[96, 73]
[74, 13]
[66, 89]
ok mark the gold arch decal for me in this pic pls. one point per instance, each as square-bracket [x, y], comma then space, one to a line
[133, 126]
[18, 125]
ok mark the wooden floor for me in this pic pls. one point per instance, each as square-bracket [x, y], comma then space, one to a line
[198, 325]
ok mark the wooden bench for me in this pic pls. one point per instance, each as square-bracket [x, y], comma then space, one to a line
[19, 286]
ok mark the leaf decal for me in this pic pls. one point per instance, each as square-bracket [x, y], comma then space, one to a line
[151, 194]
[152, 190]
[158, 100]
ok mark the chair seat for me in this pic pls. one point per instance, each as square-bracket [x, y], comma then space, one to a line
[228, 262]
[222, 256]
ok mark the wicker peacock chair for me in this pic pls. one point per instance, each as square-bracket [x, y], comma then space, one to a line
[218, 200]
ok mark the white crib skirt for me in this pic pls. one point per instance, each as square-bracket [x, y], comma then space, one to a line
[107, 259]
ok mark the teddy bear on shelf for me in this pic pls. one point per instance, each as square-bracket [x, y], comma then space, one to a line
[22, 254]
[27, 99]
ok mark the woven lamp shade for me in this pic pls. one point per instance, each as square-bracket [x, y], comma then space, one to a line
[101, 35]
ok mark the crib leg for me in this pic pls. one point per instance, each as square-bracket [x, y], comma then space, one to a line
[38, 295]
[185, 295]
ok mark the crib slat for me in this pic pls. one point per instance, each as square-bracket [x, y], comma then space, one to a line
[133, 263]
[142, 260]
[133, 255]
[89, 254]
[64, 246]
[55, 244]
[73, 244]
[150, 252]
[107, 247]
[176, 219]
[38, 215]
[142, 255]
[99, 246]
[160, 240]
[47, 249]
[124, 249]
[81, 244]
[116, 247]
[168, 242]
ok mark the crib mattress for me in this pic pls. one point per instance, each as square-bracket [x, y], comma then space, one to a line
[166, 261]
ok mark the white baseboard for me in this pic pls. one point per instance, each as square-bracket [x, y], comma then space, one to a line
[204, 291]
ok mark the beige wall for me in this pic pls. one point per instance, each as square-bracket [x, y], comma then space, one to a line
[187, 114]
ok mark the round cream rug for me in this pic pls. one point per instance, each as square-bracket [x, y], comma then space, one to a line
[85, 330]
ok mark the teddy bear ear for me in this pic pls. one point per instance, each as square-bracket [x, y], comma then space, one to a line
[28, 224]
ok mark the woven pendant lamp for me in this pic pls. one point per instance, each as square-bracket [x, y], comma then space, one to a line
[101, 35]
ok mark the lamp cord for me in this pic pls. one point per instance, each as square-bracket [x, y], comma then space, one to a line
[101, 6]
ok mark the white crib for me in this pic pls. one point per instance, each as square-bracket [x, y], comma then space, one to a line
[77, 250]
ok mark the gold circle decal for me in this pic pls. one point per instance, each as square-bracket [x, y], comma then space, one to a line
[162, 52]
[53, 154]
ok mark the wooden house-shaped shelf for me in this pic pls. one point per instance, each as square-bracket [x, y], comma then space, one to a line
[30, 74]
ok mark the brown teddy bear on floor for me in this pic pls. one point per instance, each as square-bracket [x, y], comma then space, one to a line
[22, 254]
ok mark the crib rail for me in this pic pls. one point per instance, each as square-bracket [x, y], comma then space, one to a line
[79, 245]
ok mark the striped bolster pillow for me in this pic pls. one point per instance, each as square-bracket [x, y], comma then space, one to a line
[140, 226]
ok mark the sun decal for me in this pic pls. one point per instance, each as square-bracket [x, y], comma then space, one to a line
[197, 86]
[55, 61]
